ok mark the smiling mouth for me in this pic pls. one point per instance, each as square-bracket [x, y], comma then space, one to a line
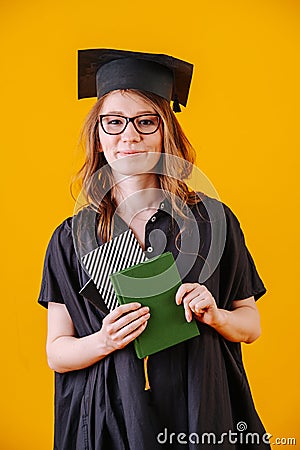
[130, 152]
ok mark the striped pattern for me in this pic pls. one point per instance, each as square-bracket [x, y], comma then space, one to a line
[121, 252]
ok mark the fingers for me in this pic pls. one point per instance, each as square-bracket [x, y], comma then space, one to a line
[182, 290]
[198, 306]
[181, 295]
[195, 298]
[130, 317]
[131, 327]
[124, 324]
[130, 337]
[123, 309]
[124, 314]
[185, 288]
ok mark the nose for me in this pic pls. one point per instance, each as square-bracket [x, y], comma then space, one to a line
[130, 134]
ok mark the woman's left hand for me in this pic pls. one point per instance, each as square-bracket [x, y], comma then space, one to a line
[197, 299]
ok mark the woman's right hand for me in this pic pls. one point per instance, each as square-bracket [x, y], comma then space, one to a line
[123, 325]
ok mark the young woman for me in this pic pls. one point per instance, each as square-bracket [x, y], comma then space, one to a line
[137, 157]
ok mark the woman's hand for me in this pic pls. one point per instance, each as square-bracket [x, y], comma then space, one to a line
[123, 325]
[240, 324]
[67, 352]
[197, 299]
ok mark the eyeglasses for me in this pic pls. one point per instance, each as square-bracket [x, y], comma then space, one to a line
[144, 124]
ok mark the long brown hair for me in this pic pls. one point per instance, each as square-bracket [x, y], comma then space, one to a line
[97, 189]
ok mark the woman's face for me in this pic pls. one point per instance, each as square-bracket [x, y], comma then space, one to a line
[130, 152]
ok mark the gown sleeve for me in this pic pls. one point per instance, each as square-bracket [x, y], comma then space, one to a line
[239, 276]
[60, 272]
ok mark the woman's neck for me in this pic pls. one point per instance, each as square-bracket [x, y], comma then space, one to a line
[137, 196]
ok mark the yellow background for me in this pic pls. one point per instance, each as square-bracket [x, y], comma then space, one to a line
[242, 118]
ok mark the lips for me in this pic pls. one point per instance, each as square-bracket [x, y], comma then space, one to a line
[129, 152]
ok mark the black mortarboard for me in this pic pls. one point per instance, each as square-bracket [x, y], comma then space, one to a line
[103, 70]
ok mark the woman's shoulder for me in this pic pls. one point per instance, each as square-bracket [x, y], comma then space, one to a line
[76, 233]
[67, 227]
[211, 208]
[62, 235]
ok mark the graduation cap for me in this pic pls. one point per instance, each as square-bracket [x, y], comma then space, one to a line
[103, 70]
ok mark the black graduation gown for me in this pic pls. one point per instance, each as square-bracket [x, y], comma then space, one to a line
[197, 387]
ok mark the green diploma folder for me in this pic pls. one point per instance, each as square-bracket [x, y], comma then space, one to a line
[154, 283]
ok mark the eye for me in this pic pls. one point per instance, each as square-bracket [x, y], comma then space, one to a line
[147, 121]
[114, 121]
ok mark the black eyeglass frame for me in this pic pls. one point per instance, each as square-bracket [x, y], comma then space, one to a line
[129, 119]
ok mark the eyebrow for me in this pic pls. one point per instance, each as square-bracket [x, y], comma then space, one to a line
[121, 113]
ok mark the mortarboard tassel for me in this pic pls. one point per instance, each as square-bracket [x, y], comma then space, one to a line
[176, 106]
[147, 385]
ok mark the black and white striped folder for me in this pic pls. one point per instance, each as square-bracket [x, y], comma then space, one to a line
[121, 252]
